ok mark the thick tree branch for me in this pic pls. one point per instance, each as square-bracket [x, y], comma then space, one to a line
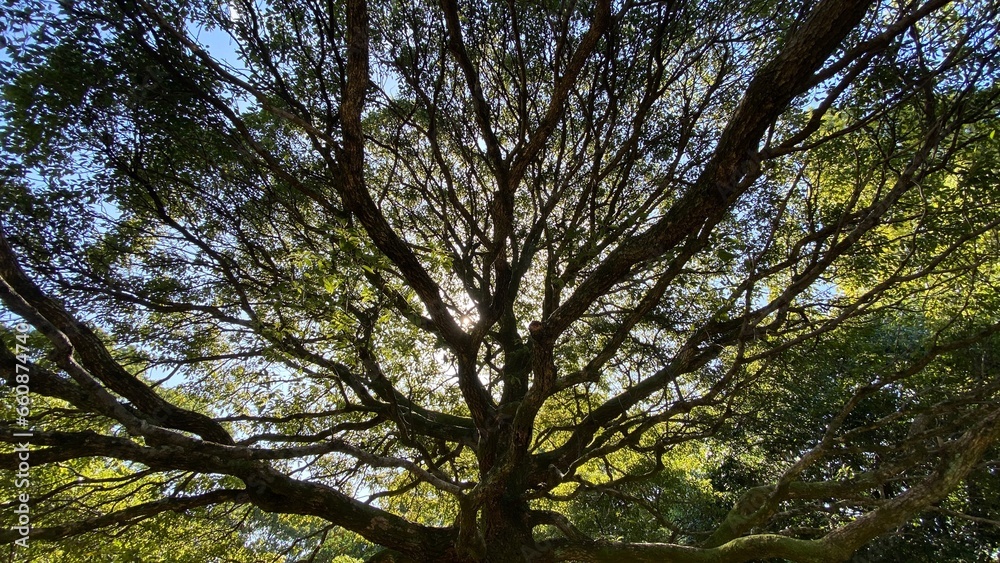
[72, 338]
[733, 166]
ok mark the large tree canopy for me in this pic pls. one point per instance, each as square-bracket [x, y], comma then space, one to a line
[501, 281]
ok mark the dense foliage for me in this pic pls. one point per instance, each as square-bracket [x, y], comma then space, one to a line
[309, 280]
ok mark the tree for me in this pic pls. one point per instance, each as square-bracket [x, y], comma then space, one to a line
[555, 281]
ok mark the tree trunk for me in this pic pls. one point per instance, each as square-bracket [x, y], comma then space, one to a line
[506, 529]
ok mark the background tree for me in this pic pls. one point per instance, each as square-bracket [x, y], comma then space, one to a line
[557, 281]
